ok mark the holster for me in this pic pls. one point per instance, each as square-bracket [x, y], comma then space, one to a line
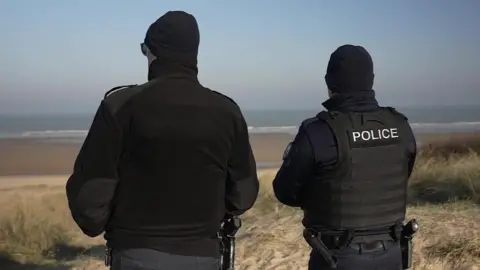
[108, 257]
[229, 228]
[406, 244]
[407, 250]
[314, 240]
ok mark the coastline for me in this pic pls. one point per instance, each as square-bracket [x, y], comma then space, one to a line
[56, 156]
[34, 157]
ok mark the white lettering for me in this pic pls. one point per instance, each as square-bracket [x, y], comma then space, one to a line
[385, 133]
[366, 136]
[378, 134]
[356, 135]
[394, 133]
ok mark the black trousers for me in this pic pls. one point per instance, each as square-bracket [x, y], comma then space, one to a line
[148, 259]
[386, 257]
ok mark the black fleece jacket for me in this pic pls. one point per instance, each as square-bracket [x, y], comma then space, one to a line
[163, 163]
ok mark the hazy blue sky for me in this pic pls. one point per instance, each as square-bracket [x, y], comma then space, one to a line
[63, 55]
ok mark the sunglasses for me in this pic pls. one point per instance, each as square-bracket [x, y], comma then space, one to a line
[144, 49]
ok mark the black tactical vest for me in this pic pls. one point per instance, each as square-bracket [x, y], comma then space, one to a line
[367, 189]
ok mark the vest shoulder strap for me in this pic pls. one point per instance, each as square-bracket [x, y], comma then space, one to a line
[395, 112]
[328, 115]
[309, 121]
[338, 122]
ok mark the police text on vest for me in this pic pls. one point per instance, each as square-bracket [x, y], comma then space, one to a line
[378, 134]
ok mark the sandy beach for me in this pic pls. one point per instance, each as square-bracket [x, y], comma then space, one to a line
[50, 157]
[37, 157]
[33, 162]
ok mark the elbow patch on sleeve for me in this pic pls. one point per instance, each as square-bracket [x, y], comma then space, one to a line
[90, 204]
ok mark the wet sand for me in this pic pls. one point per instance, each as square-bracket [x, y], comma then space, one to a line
[40, 157]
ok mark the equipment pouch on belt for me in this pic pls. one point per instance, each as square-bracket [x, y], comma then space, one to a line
[406, 242]
[314, 240]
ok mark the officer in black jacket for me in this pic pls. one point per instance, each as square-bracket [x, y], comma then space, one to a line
[348, 169]
[164, 162]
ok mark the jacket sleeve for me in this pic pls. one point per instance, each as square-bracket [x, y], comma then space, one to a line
[242, 182]
[91, 187]
[297, 168]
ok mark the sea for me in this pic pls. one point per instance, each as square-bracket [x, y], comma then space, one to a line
[74, 127]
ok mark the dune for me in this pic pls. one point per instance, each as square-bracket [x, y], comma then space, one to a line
[37, 232]
[16, 181]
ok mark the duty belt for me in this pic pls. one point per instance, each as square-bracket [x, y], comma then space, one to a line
[345, 238]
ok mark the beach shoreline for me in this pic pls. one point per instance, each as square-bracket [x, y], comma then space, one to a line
[31, 156]
[55, 156]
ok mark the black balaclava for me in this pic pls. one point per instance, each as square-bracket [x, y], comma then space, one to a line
[174, 39]
[350, 70]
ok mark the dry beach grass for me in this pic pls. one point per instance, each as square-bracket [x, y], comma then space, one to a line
[36, 231]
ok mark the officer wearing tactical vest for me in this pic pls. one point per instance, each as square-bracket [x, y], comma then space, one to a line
[164, 163]
[348, 169]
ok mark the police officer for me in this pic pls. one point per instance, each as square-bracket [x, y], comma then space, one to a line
[348, 169]
[164, 162]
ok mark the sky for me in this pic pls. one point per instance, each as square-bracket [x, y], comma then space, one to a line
[62, 56]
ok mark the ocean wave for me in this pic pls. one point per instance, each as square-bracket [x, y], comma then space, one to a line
[266, 130]
[452, 124]
[54, 133]
[417, 127]
[446, 127]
